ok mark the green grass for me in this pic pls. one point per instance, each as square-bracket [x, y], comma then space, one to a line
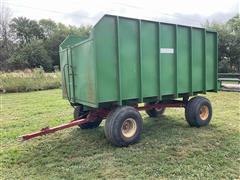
[29, 80]
[168, 149]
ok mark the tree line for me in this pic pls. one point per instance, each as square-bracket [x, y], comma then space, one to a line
[26, 43]
[228, 44]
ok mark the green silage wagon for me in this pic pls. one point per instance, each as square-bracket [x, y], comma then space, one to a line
[128, 61]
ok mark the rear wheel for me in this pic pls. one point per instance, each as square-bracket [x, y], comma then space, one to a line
[198, 111]
[123, 126]
[155, 112]
[79, 113]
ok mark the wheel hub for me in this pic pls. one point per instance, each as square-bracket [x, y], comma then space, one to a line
[129, 128]
[159, 109]
[204, 112]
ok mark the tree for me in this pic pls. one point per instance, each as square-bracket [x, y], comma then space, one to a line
[31, 55]
[52, 45]
[5, 17]
[234, 24]
[229, 44]
[234, 51]
[48, 26]
[26, 29]
[26, 43]
[6, 46]
[55, 39]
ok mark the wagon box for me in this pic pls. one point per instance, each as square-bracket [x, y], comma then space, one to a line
[137, 60]
[128, 61]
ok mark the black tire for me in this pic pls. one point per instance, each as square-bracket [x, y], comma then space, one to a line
[79, 113]
[198, 111]
[155, 112]
[123, 126]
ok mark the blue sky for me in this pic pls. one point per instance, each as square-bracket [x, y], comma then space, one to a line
[77, 12]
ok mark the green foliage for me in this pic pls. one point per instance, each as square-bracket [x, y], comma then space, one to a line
[35, 43]
[6, 49]
[29, 80]
[55, 39]
[48, 26]
[52, 45]
[168, 148]
[31, 55]
[229, 44]
[234, 23]
[26, 30]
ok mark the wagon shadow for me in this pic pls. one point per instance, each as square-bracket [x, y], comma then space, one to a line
[97, 137]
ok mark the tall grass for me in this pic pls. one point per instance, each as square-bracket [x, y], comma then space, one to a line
[29, 80]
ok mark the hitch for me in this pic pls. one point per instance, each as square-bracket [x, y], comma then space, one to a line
[48, 130]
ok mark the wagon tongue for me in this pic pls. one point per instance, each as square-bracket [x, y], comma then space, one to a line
[48, 130]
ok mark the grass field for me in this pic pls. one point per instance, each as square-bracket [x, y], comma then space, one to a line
[168, 149]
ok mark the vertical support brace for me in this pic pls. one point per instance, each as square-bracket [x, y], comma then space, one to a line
[72, 73]
[118, 62]
[176, 61]
[159, 61]
[205, 63]
[216, 68]
[191, 61]
[96, 71]
[140, 60]
[68, 66]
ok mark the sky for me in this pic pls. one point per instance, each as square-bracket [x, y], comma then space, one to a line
[82, 12]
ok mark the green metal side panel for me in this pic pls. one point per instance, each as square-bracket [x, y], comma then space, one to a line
[198, 60]
[83, 63]
[149, 36]
[71, 40]
[184, 58]
[67, 76]
[106, 52]
[167, 60]
[211, 56]
[70, 75]
[137, 59]
[63, 61]
[129, 55]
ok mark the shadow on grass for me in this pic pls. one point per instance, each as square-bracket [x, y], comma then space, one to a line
[163, 130]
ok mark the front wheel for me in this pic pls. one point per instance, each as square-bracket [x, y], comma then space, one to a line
[198, 111]
[123, 126]
[155, 112]
[79, 113]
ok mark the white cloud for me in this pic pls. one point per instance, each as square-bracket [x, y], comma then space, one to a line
[79, 12]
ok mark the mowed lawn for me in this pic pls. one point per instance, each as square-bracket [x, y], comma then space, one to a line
[168, 149]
